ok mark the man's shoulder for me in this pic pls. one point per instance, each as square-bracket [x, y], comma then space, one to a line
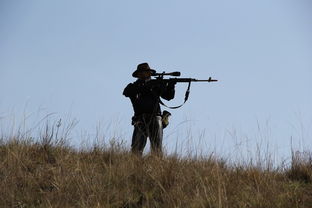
[132, 85]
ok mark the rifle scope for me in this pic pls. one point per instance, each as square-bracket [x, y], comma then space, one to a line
[175, 74]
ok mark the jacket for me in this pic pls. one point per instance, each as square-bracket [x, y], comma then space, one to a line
[145, 95]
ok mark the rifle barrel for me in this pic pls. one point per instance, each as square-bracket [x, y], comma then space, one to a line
[206, 80]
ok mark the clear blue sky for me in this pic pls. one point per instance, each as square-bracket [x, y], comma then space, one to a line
[74, 58]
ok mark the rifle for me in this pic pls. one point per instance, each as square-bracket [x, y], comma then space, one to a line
[160, 77]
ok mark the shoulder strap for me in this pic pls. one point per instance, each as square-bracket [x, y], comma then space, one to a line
[187, 93]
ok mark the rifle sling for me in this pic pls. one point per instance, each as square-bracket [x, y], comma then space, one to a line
[187, 93]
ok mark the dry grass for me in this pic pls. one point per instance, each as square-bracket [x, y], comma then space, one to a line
[50, 174]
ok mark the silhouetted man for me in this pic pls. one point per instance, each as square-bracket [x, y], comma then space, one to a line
[145, 95]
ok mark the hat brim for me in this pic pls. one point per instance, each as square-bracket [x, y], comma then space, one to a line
[136, 72]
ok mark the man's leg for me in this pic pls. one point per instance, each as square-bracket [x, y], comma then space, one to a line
[139, 138]
[156, 135]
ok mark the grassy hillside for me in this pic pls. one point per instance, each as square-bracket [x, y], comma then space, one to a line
[44, 174]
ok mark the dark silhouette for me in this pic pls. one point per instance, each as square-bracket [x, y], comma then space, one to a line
[145, 95]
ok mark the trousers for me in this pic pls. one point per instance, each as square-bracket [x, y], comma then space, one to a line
[147, 126]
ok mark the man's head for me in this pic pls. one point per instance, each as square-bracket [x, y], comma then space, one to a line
[143, 71]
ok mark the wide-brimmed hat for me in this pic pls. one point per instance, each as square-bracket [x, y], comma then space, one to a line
[142, 67]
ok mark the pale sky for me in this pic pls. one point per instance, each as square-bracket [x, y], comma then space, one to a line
[73, 58]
